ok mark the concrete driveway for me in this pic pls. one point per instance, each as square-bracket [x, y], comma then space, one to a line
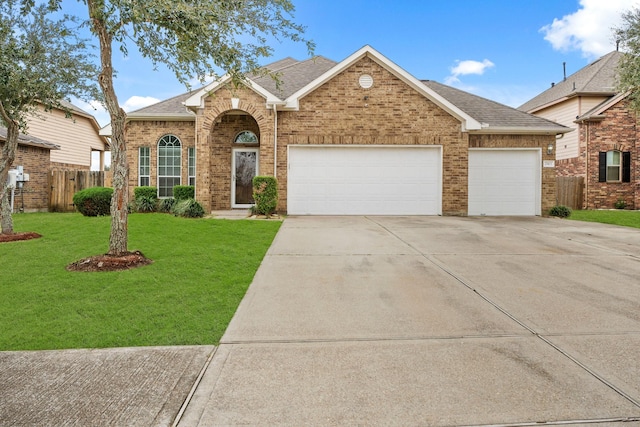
[433, 321]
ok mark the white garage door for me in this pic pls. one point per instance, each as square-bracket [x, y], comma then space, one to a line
[364, 180]
[504, 182]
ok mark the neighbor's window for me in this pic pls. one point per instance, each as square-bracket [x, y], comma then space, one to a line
[144, 163]
[192, 166]
[169, 165]
[246, 137]
[613, 166]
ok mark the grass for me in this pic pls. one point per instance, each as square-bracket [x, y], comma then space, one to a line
[617, 217]
[201, 270]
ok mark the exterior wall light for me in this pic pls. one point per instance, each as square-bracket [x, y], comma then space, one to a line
[550, 148]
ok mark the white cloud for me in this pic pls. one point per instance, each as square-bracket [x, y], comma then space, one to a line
[463, 68]
[589, 29]
[137, 102]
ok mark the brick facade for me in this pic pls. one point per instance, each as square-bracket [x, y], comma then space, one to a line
[338, 112]
[35, 193]
[615, 129]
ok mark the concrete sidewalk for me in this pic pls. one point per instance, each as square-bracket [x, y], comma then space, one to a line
[433, 321]
[144, 386]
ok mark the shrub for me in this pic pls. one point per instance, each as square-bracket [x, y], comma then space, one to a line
[145, 191]
[188, 208]
[560, 211]
[145, 199]
[94, 201]
[146, 204]
[183, 192]
[265, 194]
[165, 205]
[620, 204]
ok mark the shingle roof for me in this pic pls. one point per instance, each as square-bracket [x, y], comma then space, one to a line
[293, 75]
[491, 114]
[597, 78]
[29, 140]
[172, 106]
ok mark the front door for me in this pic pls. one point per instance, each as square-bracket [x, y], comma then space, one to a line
[244, 167]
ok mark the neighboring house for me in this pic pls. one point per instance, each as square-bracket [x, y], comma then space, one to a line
[33, 155]
[361, 136]
[604, 149]
[77, 137]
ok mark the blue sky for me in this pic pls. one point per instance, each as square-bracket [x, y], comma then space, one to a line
[504, 50]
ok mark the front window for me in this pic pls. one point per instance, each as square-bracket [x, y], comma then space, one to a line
[613, 166]
[192, 166]
[246, 137]
[169, 165]
[144, 162]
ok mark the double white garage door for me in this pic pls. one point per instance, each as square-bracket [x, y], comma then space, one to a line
[403, 180]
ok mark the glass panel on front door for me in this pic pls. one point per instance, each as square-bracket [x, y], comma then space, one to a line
[245, 170]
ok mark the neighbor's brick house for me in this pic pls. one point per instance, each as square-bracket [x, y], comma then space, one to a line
[605, 148]
[361, 136]
[33, 154]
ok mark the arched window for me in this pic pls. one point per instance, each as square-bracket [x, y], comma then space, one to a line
[246, 137]
[169, 165]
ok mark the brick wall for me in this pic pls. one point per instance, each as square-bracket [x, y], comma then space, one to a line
[388, 113]
[147, 134]
[35, 161]
[617, 131]
[217, 126]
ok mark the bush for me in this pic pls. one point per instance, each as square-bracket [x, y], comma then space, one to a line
[146, 204]
[560, 211]
[94, 201]
[165, 205]
[265, 194]
[620, 204]
[145, 199]
[145, 191]
[188, 208]
[183, 192]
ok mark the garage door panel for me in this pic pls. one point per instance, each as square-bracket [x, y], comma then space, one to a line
[504, 182]
[364, 180]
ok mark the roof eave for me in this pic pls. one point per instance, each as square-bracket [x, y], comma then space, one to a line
[555, 130]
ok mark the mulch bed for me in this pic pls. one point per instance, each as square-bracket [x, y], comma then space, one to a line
[107, 262]
[15, 237]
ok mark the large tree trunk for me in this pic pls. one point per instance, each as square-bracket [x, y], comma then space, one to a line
[119, 165]
[8, 156]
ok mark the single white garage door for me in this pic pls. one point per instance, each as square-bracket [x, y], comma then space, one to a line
[364, 180]
[504, 182]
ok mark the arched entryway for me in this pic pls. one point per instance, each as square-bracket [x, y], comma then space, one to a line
[235, 159]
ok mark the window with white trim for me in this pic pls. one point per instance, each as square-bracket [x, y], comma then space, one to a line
[192, 166]
[169, 165]
[144, 166]
[613, 166]
[246, 137]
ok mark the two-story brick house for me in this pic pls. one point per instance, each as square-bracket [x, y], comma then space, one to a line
[361, 136]
[604, 147]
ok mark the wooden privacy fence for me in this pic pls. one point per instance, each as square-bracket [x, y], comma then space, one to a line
[570, 191]
[65, 183]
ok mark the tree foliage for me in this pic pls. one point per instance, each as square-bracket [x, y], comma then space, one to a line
[193, 38]
[43, 62]
[628, 37]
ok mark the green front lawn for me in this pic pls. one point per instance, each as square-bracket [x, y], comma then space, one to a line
[617, 217]
[201, 270]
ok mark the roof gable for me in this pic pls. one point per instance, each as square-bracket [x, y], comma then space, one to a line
[292, 102]
[597, 78]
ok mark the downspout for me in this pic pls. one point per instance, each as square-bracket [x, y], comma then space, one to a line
[275, 141]
[585, 203]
